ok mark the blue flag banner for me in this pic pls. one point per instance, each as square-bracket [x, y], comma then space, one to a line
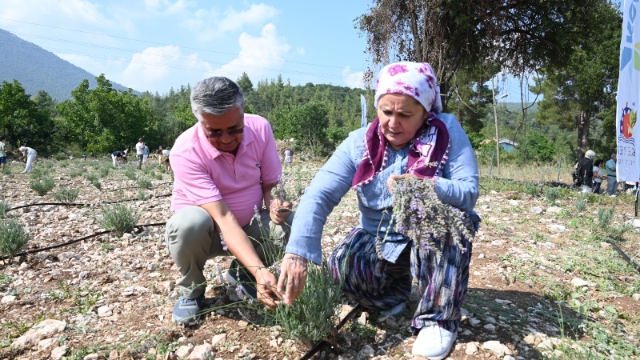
[363, 105]
[628, 94]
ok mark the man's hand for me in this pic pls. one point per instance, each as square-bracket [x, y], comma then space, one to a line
[266, 288]
[294, 271]
[279, 211]
[393, 178]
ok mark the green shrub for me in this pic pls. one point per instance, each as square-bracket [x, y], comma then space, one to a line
[4, 208]
[97, 184]
[118, 218]
[38, 173]
[604, 217]
[581, 205]
[531, 189]
[104, 171]
[312, 316]
[43, 185]
[91, 177]
[66, 195]
[75, 173]
[552, 194]
[130, 173]
[144, 183]
[64, 163]
[12, 237]
[142, 195]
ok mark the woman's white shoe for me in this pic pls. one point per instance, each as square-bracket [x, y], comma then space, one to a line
[434, 342]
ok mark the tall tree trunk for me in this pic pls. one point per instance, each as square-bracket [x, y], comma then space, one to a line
[584, 122]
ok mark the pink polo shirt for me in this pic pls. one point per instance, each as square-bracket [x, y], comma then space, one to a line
[202, 174]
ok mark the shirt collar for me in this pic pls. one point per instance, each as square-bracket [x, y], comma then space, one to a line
[247, 137]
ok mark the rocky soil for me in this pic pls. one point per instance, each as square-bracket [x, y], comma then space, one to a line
[543, 283]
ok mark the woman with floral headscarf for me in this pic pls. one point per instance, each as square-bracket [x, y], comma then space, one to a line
[410, 138]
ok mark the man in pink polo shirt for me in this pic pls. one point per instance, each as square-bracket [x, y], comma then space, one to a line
[225, 166]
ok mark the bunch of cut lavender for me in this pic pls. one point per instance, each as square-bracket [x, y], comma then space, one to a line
[419, 214]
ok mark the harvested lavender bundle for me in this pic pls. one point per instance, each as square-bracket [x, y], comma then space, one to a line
[420, 215]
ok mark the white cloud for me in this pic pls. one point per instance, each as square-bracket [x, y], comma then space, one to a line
[258, 56]
[300, 51]
[209, 24]
[166, 7]
[159, 68]
[353, 79]
[71, 13]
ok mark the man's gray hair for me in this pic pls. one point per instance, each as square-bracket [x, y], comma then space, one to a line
[614, 154]
[216, 95]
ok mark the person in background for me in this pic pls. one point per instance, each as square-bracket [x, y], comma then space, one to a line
[376, 260]
[585, 170]
[612, 180]
[598, 176]
[116, 156]
[3, 153]
[124, 156]
[288, 158]
[165, 155]
[145, 153]
[159, 155]
[140, 152]
[30, 154]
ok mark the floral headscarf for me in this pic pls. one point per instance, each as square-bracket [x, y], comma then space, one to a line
[431, 143]
[409, 78]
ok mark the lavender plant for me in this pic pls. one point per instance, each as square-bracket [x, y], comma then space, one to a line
[419, 214]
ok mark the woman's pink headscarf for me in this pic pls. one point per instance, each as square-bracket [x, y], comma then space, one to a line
[431, 142]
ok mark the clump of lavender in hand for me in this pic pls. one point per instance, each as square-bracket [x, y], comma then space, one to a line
[419, 214]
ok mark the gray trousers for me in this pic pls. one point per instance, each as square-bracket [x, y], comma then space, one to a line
[192, 239]
[612, 185]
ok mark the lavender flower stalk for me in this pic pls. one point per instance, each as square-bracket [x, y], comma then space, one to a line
[419, 214]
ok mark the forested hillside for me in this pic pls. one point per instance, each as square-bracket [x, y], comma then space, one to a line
[38, 69]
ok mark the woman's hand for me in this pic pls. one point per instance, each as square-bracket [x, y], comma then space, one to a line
[279, 211]
[266, 288]
[393, 178]
[294, 271]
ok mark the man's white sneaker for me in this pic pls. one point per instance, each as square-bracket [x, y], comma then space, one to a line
[434, 342]
[394, 310]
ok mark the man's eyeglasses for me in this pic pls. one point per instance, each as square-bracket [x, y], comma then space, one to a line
[218, 133]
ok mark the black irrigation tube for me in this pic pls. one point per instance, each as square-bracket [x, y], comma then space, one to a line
[624, 256]
[79, 204]
[321, 343]
[136, 187]
[34, 251]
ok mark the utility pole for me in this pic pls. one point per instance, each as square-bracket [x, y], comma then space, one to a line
[495, 117]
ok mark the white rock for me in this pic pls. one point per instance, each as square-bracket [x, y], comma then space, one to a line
[8, 299]
[201, 352]
[557, 228]
[127, 236]
[497, 348]
[554, 209]
[481, 256]
[503, 302]
[366, 352]
[636, 297]
[345, 310]
[577, 282]
[183, 351]
[362, 320]
[471, 349]
[104, 311]
[490, 320]
[467, 333]
[218, 339]
[536, 210]
[47, 343]
[474, 322]
[514, 203]
[490, 327]
[91, 357]
[44, 329]
[58, 352]
[69, 255]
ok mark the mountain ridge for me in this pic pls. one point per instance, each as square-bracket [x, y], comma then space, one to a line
[39, 69]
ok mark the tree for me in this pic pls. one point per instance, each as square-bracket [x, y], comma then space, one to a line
[22, 122]
[45, 102]
[307, 124]
[245, 84]
[517, 35]
[583, 89]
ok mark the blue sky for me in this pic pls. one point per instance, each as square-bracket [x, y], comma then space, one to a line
[156, 44]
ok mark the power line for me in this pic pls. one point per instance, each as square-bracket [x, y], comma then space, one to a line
[172, 56]
[164, 44]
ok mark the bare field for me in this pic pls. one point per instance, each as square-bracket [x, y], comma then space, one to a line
[544, 283]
